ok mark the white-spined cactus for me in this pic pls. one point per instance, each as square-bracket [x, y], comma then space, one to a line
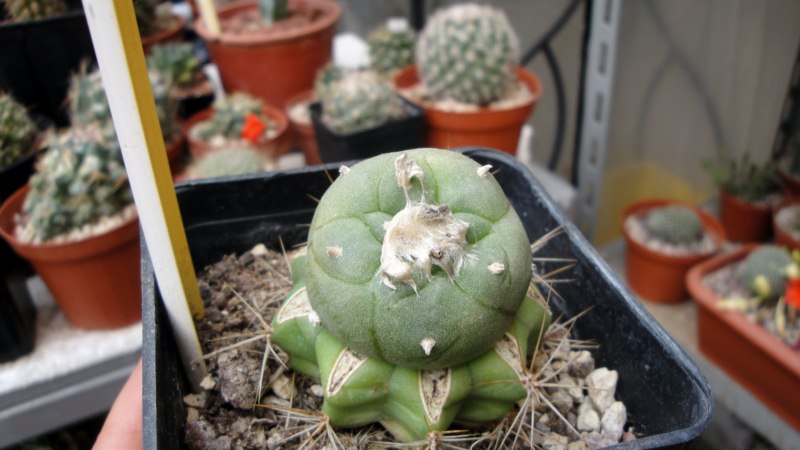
[391, 47]
[23, 10]
[410, 306]
[357, 102]
[468, 53]
[17, 130]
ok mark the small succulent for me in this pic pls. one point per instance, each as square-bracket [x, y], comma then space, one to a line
[674, 224]
[468, 53]
[744, 178]
[359, 101]
[24, 10]
[78, 181]
[391, 47]
[227, 161]
[230, 115]
[765, 271]
[176, 61]
[17, 130]
[272, 11]
[410, 306]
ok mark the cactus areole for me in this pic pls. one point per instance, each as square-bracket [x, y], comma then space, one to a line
[417, 259]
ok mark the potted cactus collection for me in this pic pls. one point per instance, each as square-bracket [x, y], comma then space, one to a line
[190, 86]
[664, 239]
[272, 49]
[749, 321]
[467, 79]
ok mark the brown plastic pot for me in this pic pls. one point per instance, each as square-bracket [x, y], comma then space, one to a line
[172, 34]
[302, 132]
[784, 237]
[746, 351]
[272, 66]
[95, 281]
[744, 221]
[270, 148]
[175, 150]
[493, 128]
[659, 277]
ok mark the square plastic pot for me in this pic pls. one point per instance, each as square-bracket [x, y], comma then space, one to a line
[667, 397]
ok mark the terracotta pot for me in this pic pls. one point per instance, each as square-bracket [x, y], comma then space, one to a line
[274, 66]
[660, 277]
[95, 281]
[783, 236]
[172, 34]
[744, 221]
[498, 129]
[271, 148]
[302, 132]
[746, 351]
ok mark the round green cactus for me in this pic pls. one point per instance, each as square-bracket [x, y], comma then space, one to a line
[764, 271]
[17, 131]
[23, 10]
[468, 53]
[674, 224]
[391, 47]
[359, 101]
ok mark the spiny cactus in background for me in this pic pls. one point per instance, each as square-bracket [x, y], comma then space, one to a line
[229, 116]
[227, 161]
[24, 10]
[744, 178]
[176, 61]
[391, 47]
[410, 305]
[468, 53]
[358, 102]
[674, 224]
[17, 130]
[764, 271]
[78, 181]
[272, 11]
[326, 79]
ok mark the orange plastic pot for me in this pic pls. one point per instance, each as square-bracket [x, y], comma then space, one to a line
[95, 281]
[271, 148]
[791, 183]
[750, 354]
[660, 277]
[493, 128]
[172, 34]
[744, 221]
[273, 66]
[302, 132]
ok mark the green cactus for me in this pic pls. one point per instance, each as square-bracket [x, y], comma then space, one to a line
[176, 61]
[272, 11]
[17, 131]
[410, 306]
[358, 102]
[744, 178]
[229, 116]
[391, 47]
[24, 10]
[468, 53]
[227, 161]
[326, 79]
[674, 224]
[78, 181]
[764, 271]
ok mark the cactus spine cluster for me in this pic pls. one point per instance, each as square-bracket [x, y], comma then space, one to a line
[24, 10]
[78, 181]
[391, 47]
[410, 304]
[468, 53]
[229, 116]
[765, 271]
[17, 130]
[674, 224]
[176, 61]
[227, 161]
[359, 101]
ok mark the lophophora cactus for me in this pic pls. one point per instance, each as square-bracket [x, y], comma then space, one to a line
[78, 181]
[176, 61]
[468, 53]
[24, 10]
[227, 161]
[410, 304]
[357, 102]
[674, 224]
[391, 47]
[765, 271]
[17, 130]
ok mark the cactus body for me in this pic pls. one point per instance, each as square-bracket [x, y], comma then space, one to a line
[390, 49]
[23, 10]
[764, 271]
[17, 131]
[229, 116]
[674, 224]
[468, 53]
[358, 102]
[326, 79]
[176, 61]
[227, 161]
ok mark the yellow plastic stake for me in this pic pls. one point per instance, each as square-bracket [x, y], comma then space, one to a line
[115, 36]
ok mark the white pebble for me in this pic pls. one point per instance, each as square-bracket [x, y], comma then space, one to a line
[602, 385]
[588, 420]
[613, 421]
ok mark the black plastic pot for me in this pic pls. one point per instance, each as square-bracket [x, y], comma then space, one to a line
[17, 318]
[399, 134]
[667, 397]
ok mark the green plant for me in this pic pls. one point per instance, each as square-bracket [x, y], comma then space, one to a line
[272, 11]
[674, 224]
[744, 178]
[24, 10]
[765, 271]
[227, 161]
[359, 101]
[410, 306]
[229, 116]
[78, 181]
[176, 61]
[391, 48]
[17, 130]
[468, 53]
[326, 79]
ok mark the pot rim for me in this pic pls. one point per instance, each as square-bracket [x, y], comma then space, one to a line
[155, 38]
